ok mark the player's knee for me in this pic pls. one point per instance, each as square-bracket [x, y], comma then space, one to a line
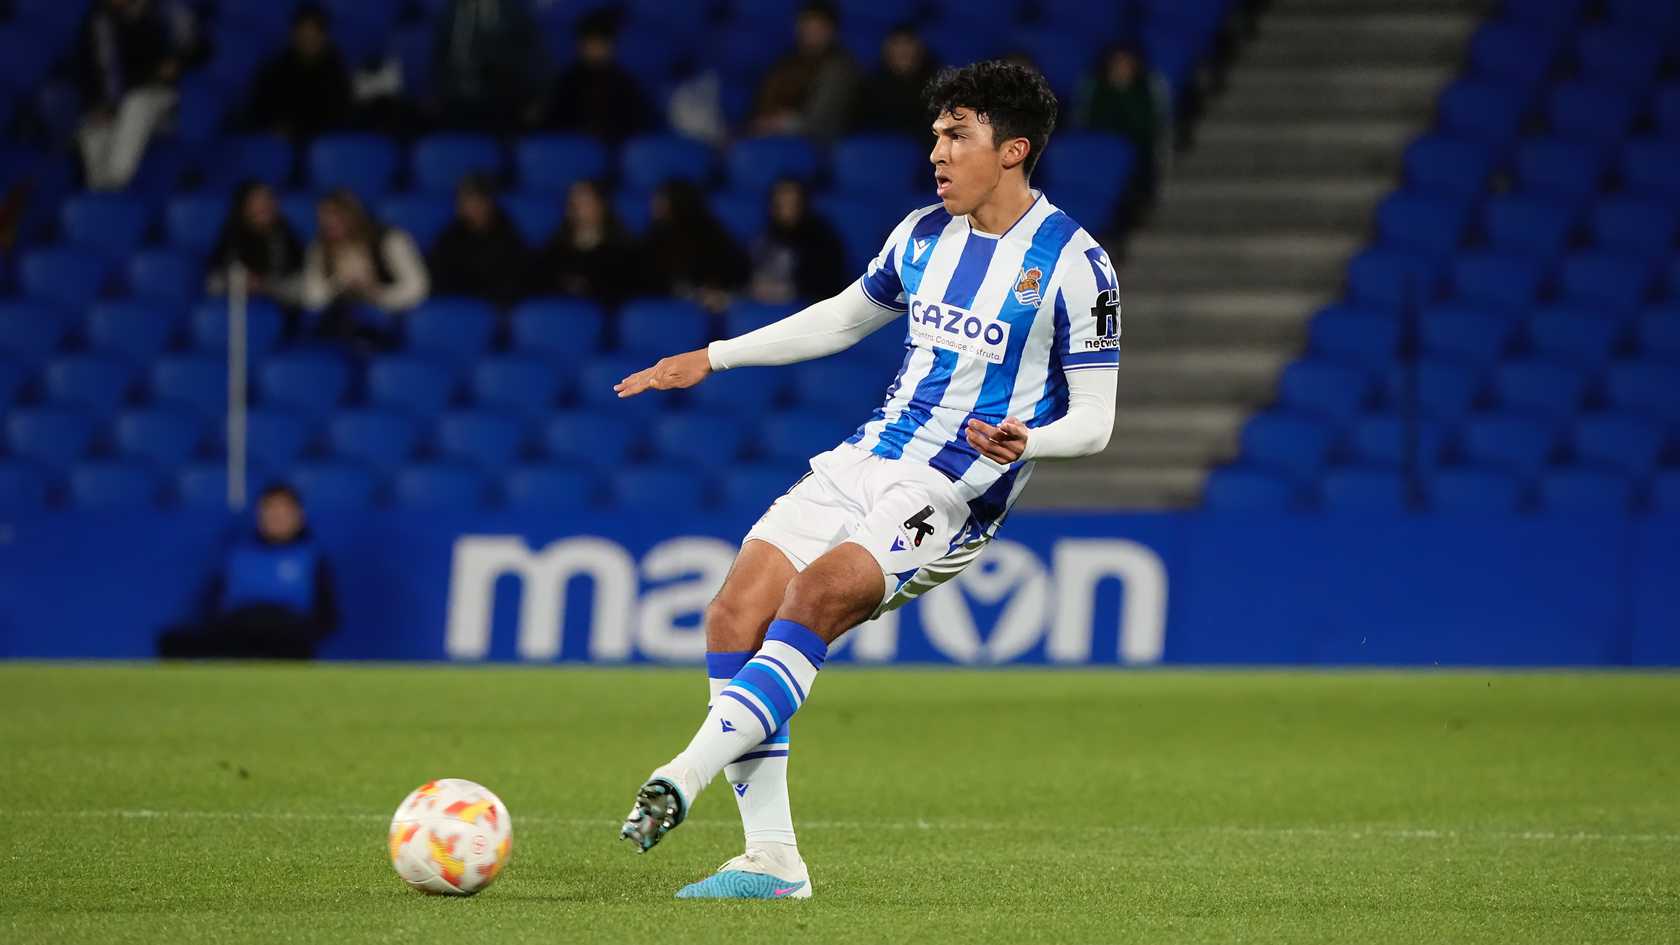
[731, 624]
[828, 601]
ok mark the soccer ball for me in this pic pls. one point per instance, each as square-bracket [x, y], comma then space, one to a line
[451, 837]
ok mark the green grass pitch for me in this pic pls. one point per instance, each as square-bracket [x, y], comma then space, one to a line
[249, 804]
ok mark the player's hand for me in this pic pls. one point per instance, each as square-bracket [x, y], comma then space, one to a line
[1003, 443]
[673, 373]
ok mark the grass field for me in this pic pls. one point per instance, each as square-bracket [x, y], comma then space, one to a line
[224, 804]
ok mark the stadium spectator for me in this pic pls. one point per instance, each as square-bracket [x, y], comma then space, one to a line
[596, 95]
[590, 255]
[890, 98]
[358, 273]
[258, 238]
[687, 252]
[272, 597]
[488, 64]
[480, 253]
[305, 90]
[132, 52]
[799, 256]
[809, 91]
[1121, 97]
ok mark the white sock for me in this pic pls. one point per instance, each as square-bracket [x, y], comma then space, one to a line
[760, 781]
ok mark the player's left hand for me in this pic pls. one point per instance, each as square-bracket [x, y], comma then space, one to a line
[673, 373]
[1003, 443]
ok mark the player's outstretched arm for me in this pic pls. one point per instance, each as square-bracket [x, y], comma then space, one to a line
[1082, 431]
[673, 373]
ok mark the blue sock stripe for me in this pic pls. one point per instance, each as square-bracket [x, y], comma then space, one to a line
[801, 638]
[749, 756]
[781, 679]
[776, 740]
[785, 672]
[768, 728]
[780, 709]
[726, 665]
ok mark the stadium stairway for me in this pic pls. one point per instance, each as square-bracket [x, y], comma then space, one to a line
[1253, 231]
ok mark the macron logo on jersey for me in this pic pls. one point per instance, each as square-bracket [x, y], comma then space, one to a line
[919, 249]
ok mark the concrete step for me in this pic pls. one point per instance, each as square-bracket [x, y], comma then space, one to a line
[1200, 376]
[1158, 321]
[1275, 260]
[1204, 206]
[1293, 91]
[1079, 485]
[1295, 149]
[1173, 435]
[1359, 38]
[1360, 7]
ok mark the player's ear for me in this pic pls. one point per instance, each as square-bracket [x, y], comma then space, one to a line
[1015, 152]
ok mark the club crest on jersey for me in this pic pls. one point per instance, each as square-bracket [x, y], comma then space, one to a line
[1026, 286]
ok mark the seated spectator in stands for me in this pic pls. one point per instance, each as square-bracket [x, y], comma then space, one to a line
[595, 95]
[890, 98]
[358, 273]
[799, 256]
[305, 90]
[1122, 98]
[132, 52]
[272, 598]
[810, 90]
[487, 64]
[480, 253]
[591, 255]
[687, 252]
[258, 238]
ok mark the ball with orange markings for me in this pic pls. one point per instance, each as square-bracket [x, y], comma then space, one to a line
[451, 837]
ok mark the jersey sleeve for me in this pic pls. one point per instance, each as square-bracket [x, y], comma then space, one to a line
[1088, 311]
[880, 281]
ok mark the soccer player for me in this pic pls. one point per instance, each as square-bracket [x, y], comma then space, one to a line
[1012, 348]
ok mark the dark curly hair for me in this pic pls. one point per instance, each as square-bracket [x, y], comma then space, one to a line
[1014, 99]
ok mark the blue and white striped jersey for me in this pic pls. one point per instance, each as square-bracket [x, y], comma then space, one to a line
[995, 323]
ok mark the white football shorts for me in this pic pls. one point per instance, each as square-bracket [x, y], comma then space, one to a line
[907, 515]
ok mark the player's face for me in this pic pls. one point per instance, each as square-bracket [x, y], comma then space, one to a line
[966, 163]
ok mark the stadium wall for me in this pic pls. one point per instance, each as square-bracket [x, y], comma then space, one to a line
[1096, 589]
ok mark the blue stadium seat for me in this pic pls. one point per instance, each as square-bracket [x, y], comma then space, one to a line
[1390, 280]
[1515, 444]
[424, 216]
[1573, 335]
[558, 330]
[1364, 490]
[1651, 17]
[527, 385]
[1665, 491]
[1647, 169]
[275, 437]
[299, 211]
[1585, 111]
[1238, 489]
[646, 488]
[1659, 334]
[1387, 439]
[1620, 284]
[265, 158]
[30, 331]
[650, 160]
[334, 485]
[440, 486]
[1548, 17]
[52, 436]
[452, 329]
[748, 393]
[707, 439]
[1288, 442]
[1446, 390]
[745, 316]
[199, 382]
[1481, 111]
[1501, 280]
[382, 439]
[422, 386]
[1534, 226]
[841, 387]
[1474, 491]
[92, 382]
[866, 163]
[658, 327]
[1418, 223]
[1091, 208]
[1667, 111]
[863, 224]
[12, 378]
[755, 486]
[1646, 387]
[1626, 443]
[1635, 227]
[1584, 490]
[311, 383]
[549, 486]
[166, 277]
[1511, 53]
[203, 486]
[263, 326]
[551, 164]
[744, 215]
[1625, 58]
[756, 163]
[1063, 55]
[536, 215]
[1455, 331]
[441, 160]
[595, 388]
[1544, 389]
[1442, 164]
[589, 437]
[1077, 154]
[163, 436]
[22, 486]
[366, 164]
[486, 438]
[68, 278]
[112, 224]
[135, 331]
[114, 485]
[798, 435]
[194, 221]
[1558, 169]
[1330, 391]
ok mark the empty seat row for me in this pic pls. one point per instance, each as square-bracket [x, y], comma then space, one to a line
[1579, 336]
[1561, 170]
[1395, 279]
[1449, 491]
[1437, 226]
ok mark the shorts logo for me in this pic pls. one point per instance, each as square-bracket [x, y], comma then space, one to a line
[1026, 287]
[917, 526]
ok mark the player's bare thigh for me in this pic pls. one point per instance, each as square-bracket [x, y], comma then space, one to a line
[836, 592]
[753, 590]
